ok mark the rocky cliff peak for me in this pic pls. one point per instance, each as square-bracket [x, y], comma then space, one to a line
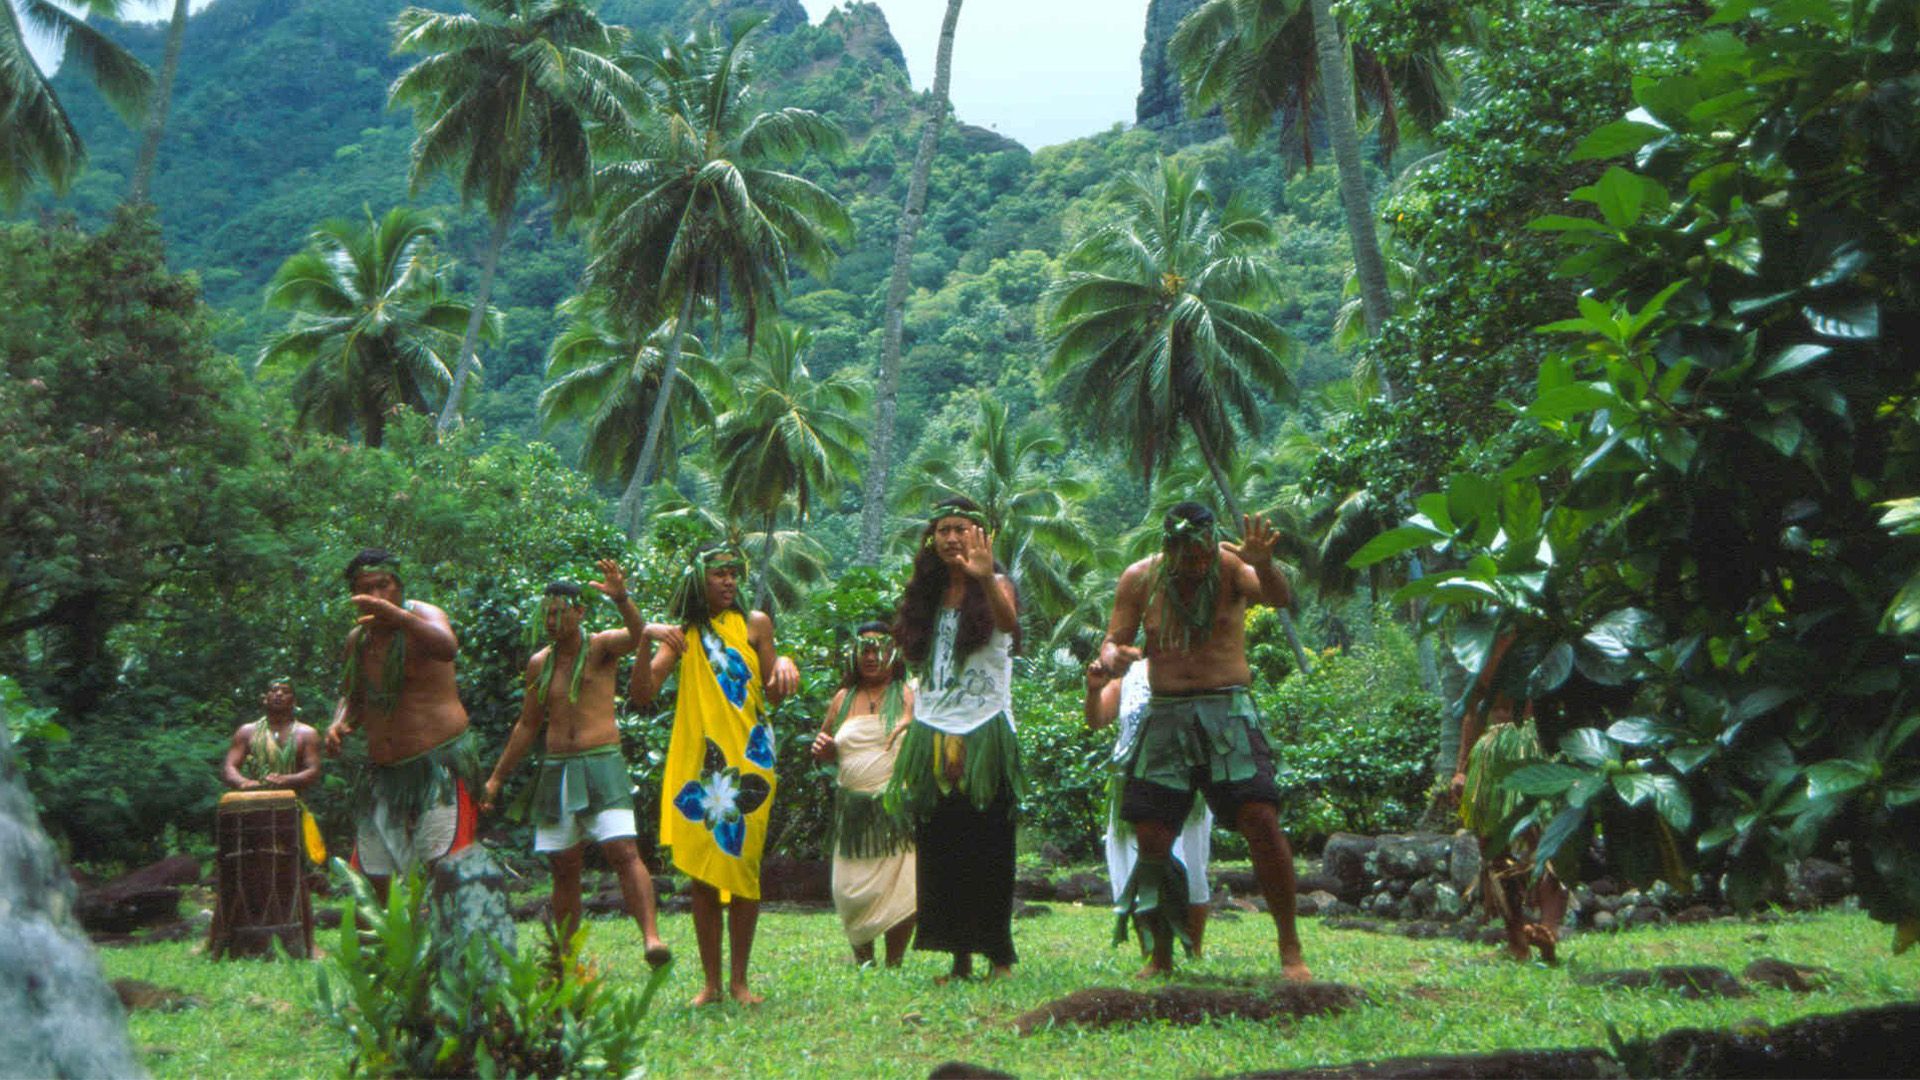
[863, 26]
[1159, 106]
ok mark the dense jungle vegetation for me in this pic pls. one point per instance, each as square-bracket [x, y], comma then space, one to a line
[1619, 367]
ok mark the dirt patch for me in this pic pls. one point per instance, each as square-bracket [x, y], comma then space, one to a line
[135, 995]
[1507, 1065]
[1691, 980]
[1190, 1005]
[1781, 975]
[966, 1070]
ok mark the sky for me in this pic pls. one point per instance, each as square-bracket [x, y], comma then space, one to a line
[1040, 71]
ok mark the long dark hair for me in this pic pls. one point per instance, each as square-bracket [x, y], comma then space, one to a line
[688, 604]
[920, 604]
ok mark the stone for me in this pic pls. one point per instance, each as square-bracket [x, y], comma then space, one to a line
[1827, 882]
[1032, 911]
[1447, 903]
[1604, 921]
[1317, 881]
[1084, 888]
[1463, 862]
[1413, 855]
[799, 881]
[1781, 975]
[1340, 909]
[1052, 855]
[1314, 903]
[136, 994]
[62, 1019]
[467, 903]
[1160, 106]
[1695, 913]
[1604, 886]
[148, 896]
[1646, 915]
[1344, 859]
[1240, 882]
[1033, 887]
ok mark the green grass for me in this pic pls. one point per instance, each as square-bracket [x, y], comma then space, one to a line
[825, 1017]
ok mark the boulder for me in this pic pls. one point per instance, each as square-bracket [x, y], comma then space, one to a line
[148, 896]
[1413, 855]
[1447, 903]
[1344, 859]
[1084, 888]
[1781, 975]
[1316, 902]
[467, 902]
[1032, 887]
[1463, 861]
[800, 881]
[1826, 882]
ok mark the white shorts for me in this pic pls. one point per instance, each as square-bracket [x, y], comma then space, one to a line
[612, 824]
[386, 848]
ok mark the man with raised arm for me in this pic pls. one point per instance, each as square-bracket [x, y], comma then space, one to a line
[415, 804]
[584, 791]
[1201, 731]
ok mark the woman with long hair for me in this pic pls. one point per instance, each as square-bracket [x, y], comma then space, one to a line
[873, 860]
[958, 778]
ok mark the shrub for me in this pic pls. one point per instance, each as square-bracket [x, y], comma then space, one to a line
[1354, 741]
[411, 1003]
[1066, 767]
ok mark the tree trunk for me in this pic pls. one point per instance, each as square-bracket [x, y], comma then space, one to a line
[1302, 664]
[633, 504]
[163, 99]
[471, 341]
[873, 508]
[765, 592]
[1336, 94]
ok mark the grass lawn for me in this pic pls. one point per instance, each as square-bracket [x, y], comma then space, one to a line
[826, 1017]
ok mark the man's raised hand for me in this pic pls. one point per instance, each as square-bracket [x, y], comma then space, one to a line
[613, 583]
[377, 612]
[1257, 539]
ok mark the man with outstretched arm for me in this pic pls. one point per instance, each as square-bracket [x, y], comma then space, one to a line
[415, 805]
[584, 791]
[1201, 730]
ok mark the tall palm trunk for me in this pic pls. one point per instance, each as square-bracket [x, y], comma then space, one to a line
[633, 504]
[163, 99]
[1342, 130]
[1302, 664]
[471, 341]
[873, 508]
[765, 591]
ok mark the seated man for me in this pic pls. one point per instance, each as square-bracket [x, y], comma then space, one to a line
[1201, 730]
[584, 791]
[275, 751]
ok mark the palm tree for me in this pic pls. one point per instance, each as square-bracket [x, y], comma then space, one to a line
[790, 560]
[786, 436]
[1256, 59]
[37, 140]
[1031, 502]
[372, 327]
[162, 103]
[507, 92]
[607, 380]
[701, 210]
[873, 509]
[1155, 329]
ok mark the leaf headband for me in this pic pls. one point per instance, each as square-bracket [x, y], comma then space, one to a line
[536, 629]
[939, 512]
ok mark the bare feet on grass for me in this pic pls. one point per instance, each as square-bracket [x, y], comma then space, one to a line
[1293, 964]
[744, 996]
[1154, 970]
[1000, 972]
[709, 996]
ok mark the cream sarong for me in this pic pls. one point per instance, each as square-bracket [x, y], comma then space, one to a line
[872, 895]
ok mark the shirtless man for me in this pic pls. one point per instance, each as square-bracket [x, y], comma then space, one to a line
[1201, 730]
[584, 791]
[275, 751]
[416, 806]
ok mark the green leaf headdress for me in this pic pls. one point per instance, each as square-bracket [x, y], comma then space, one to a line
[688, 604]
[944, 511]
[559, 594]
[893, 701]
[1187, 622]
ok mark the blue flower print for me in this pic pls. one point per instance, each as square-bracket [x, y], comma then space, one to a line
[721, 799]
[760, 745]
[729, 668]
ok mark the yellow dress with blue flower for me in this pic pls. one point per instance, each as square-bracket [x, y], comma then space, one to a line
[718, 789]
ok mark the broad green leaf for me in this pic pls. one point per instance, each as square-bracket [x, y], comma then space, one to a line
[1835, 777]
[1572, 400]
[1615, 139]
[1902, 517]
[1565, 223]
[1521, 510]
[1903, 614]
[1471, 498]
[1558, 831]
[1635, 730]
[1434, 505]
[1688, 758]
[1731, 11]
[1620, 632]
[1793, 358]
[1543, 778]
[1760, 702]
[1855, 321]
[1589, 746]
[1634, 787]
[1552, 670]
[1394, 542]
[1672, 802]
[1620, 195]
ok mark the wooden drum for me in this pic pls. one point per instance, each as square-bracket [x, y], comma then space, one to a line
[262, 876]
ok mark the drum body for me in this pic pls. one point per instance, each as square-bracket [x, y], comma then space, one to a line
[262, 877]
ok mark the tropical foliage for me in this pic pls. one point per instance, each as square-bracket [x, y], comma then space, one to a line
[38, 140]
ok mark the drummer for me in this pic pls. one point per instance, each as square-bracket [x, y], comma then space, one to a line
[275, 751]
[584, 791]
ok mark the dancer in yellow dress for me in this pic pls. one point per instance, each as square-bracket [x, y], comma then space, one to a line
[719, 775]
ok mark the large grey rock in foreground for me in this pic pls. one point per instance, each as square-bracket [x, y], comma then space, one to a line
[61, 1017]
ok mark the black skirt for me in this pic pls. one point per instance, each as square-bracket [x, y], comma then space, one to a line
[965, 878]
